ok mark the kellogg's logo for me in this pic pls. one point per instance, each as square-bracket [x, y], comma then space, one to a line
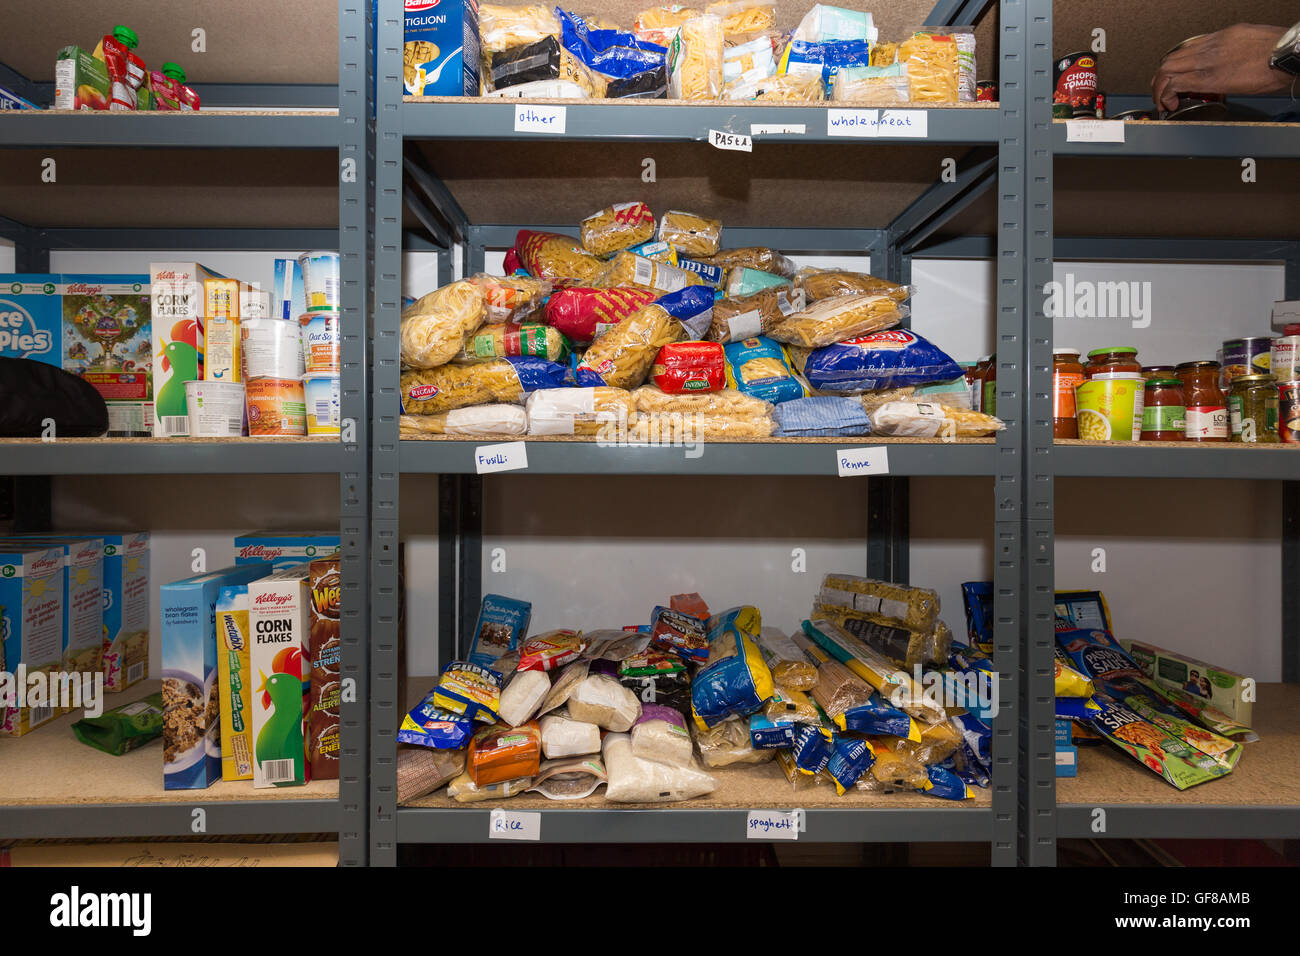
[260, 551]
[83, 288]
[273, 598]
[46, 565]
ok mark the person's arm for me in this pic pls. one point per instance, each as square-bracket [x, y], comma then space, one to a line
[1233, 60]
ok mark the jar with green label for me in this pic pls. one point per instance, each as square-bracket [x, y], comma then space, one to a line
[1164, 411]
[1252, 409]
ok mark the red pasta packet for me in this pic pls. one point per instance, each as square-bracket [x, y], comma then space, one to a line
[690, 603]
[582, 314]
[678, 633]
[690, 367]
[546, 652]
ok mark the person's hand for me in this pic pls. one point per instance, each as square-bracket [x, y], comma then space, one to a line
[1233, 60]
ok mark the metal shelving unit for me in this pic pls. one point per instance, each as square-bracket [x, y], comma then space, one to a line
[261, 176]
[455, 190]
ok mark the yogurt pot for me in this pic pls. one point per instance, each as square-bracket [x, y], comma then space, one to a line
[320, 280]
[322, 396]
[320, 342]
[272, 348]
[276, 407]
[215, 409]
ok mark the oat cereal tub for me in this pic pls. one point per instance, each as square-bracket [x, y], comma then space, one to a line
[838, 318]
[435, 327]
[616, 227]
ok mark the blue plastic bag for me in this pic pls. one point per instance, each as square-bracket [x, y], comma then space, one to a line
[891, 359]
[774, 389]
[611, 53]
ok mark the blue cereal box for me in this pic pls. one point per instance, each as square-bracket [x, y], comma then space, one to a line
[440, 55]
[9, 100]
[501, 628]
[83, 599]
[192, 729]
[290, 299]
[284, 548]
[31, 631]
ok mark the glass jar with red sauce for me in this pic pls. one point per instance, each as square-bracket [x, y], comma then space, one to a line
[1206, 417]
[1114, 361]
[1067, 375]
[1163, 411]
[1157, 371]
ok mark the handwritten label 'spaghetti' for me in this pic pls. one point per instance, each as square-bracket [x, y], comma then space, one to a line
[514, 825]
[773, 825]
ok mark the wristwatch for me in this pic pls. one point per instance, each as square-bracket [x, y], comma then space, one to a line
[1286, 55]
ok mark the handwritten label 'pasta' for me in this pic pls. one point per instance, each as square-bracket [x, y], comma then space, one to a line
[514, 825]
[736, 141]
[508, 456]
[773, 825]
[541, 119]
[851, 462]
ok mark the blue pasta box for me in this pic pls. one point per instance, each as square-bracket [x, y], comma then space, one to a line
[768, 734]
[440, 51]
[501, 628]
[1067, 754]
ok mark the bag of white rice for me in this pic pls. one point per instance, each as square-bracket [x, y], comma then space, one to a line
[523, 695]
[660, 734]
[633, 780]
[562, 736]
[601, 700]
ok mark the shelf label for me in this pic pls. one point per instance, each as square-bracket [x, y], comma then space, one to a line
[737, 141]
[852, 462]
[508, 456]
[540, 119]
[870, 124]
[774, 825]
[1094, 131]
[515, 825]
[777, 129]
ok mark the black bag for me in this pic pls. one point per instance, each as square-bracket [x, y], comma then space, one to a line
[31, 392]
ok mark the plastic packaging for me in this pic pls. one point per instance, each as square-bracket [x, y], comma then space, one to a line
[791, 668]
[421, 771]
[464, 790]
[727, 743]
[500, 753]
[895, 770]
[515, 298]
[820, 62]
[561, 259]
[888, 359]
[583, 314]
[498, 341]
[695, 60]
[469, 690]
[503, 27]
[611, 53]
[760, 367]
[616, 227]
[690, 603]
[743, 17]
[570, 779]
[690, 234]
[872, 85]
[679, 634]
[742, 280]
[627, 269]
[523, 695]
[738, 318]
[634, 780]
[932, 70]
[827, 23]
[821, 416]
[435, 328]
[563, 736]
[824, 283]
[839, 318]
[748, 63]
[736, 684]
[276, 407]
[429, 391]
[790, 705]
[811, 747]
[781, 88]
[660, 735]
[495, 419]
[651, 400]
[930, 420]
[543, 89]
[578, 411]
[916, 608]
[602, 700]
[852, 757]
[754, 257]
[894, 684]
[622, 357]
[689, 367]
[550, 651]
[658, 25]
[523, 64]
[428, 725]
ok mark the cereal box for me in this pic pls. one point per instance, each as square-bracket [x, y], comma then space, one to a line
[235, 692]
[1223, 689]
[9, 100]
[31, 601]
[177, 298]
[191, 728]
[83, 601]
[326, 652]
[440, 53]
[126, 609]
[279, 620]
[290, 299]
[284, 548]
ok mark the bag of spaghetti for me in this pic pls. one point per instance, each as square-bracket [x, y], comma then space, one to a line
[435, 327]
[562, 259]
[819, 284]
[842, 317]
[430, 391]
[695, 60]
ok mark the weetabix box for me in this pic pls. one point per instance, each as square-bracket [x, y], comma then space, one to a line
[31, 601]
[191, 727]
[279, 619]
[285, 548]
[235, 695]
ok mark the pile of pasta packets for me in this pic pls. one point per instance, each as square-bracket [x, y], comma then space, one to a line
[655, 713]
[731, 50]
[645, 329]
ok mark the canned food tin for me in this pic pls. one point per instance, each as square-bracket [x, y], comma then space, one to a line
[1134, 115]
[1288, 412]
[320, 280]
[1062, 111]
[1284, 358]
[1076, 79]
[1251, 355]
[986, 92]
[320, 342]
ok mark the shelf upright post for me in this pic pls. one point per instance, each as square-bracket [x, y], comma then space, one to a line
[354, 479]
[1291, 525]
[888, 498]
[386, 242]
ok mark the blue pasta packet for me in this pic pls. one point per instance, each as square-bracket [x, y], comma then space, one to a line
[1077, 708]
[735, 685]
[946, 784]
[893, 358]
[428, 725]
[782, 387]
[768, 734]
[978, 598]
[612, 53]
[824, 416]
[811, 748]
[744, 617]
[878, 716]
[851, 757]
[535, 373]
[826, 58]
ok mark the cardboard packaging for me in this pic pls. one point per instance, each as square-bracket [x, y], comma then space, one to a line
[1220, 688]
[279, 660]
[31, 601]
[177, 298]
[80, 81]
[441, 48]
[284, 548]
[235, 694]
[326, 654]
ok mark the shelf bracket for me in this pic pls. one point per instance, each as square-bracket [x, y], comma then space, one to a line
[938, 205]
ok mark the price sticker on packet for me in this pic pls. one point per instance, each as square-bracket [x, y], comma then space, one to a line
[735, 141]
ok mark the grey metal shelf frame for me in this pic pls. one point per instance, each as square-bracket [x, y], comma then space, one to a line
[1009, 148]
[344, 128]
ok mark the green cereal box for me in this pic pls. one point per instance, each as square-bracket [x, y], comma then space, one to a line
[1220, 688]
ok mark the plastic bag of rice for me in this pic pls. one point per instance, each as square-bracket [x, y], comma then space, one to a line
[660, 734]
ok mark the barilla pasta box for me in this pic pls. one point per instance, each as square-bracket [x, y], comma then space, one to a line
[95, 326]
[176, 289]
[126, 610]
[440, 53]
[191, 728]
[235, 692]
[31, 601]
[279, 608]
[1217, 687]
[285, 548]
[501, 628]
[83, 599]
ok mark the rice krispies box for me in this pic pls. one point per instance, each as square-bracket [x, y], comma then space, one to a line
[286, 548]
[191, 725]
[279, 620]
[95, 326]
[31, 631]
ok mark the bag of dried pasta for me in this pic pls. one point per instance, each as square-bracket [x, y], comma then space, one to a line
[727, 403]
[888, 359]
[627, 269]
[503, 27]
[932, 68]
[690, 234]
[658, 25]
[695, 60]
[872, 85]
[577, 411]
[622, 356]
[583, 314]
[753, 257]
[744, 317]
[512, 298]
[915, 608]
[743, 16]
[473, 420]
[562, 259]
[657, 428]
[930, 420]
[497, 341]
[839, 318]
[748, 62]
[820, 284]
[781, 88]
[791, 667]
[429, 391]
[761, 367]
[435, 327]
[616, 227]
[736, 684]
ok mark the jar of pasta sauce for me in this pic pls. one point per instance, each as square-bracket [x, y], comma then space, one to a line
[1067, 375]
[1114, 361]
[1157, 371]
[1253, 409]
[1163, 410]
[1206, 416]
